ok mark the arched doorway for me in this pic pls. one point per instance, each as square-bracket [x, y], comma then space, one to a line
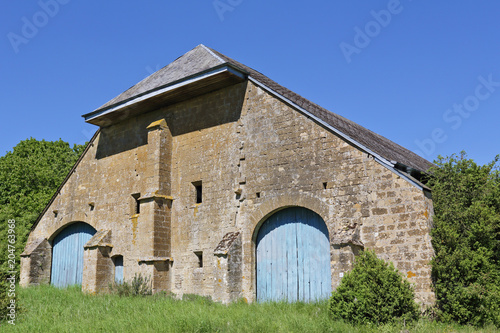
[67, 254]
[293, 257]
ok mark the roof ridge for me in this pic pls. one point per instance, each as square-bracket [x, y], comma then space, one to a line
[203, 58]
[212, 53]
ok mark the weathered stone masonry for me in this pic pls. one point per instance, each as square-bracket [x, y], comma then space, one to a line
[252, 153]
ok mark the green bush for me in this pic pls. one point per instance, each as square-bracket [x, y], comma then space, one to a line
[373, 292]
[466, 239]
[29, 176]
[4, 299]
[138, 286]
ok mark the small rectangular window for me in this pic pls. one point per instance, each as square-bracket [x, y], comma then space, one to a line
[199, 254]
[198, 188]
[118, 260]
[137, 203]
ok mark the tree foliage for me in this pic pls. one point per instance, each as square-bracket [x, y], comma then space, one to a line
[29, 176]
[466, 240]
[373, 292]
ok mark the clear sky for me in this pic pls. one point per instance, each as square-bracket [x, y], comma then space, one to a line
[425, 74]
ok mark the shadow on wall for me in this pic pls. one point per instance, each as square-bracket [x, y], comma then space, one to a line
[209, 110]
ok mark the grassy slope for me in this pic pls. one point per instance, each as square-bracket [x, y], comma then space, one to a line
[47, 309]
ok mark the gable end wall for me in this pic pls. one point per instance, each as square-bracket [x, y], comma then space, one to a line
[253, 155]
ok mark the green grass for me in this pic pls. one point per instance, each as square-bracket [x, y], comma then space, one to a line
[47, 309]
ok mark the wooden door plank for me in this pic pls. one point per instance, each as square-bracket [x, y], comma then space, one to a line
[67, 254]
[293, 257]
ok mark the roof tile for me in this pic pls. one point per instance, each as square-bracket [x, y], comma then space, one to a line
[202, 58]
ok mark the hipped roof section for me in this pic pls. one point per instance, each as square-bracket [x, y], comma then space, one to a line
[203, 69]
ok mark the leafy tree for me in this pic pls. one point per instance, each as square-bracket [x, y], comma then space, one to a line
[29, 176]
[373, 292]
[466, 240]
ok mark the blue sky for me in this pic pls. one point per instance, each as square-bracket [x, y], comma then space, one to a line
[423, 74]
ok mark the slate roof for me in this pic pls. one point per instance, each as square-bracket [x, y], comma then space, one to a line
[202, 58]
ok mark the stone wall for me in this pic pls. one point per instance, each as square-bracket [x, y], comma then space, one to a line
[36, 263]
[252, 155]
[286, 159]
[98, 269]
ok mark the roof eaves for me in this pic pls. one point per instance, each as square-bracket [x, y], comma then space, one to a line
[381, 146]
[322, 122]
[165, 88]
[407, 177]
[381, 160]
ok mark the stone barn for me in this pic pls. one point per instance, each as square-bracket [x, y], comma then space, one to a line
[212, 179]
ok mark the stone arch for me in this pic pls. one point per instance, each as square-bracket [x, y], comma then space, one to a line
[275, 204]
[293, 257]
[271, 206]
[54, 229]
[68, 243]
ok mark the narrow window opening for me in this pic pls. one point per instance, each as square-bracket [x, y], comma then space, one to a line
[199, 255]
[257, 194]
[55, 213]
[91, 205]
[137, 203]
[325, 184]
[199, 195]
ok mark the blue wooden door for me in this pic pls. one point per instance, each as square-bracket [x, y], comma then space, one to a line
[67, 254]
[118, 269]
[293, 257]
